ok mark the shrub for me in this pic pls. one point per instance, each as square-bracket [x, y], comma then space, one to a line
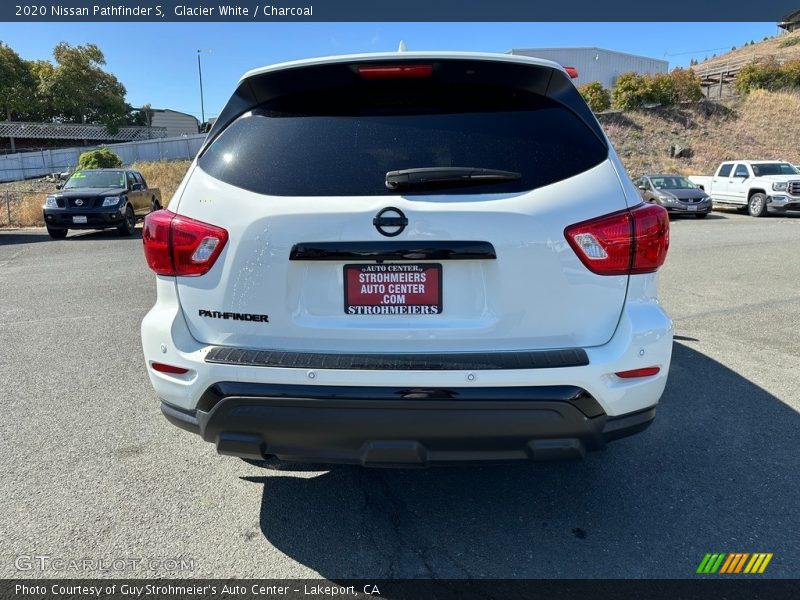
[102, 158]
[686, 85]
[597, 97]
[630, 91]
[768, 75]
[790, 42]
[633, 90]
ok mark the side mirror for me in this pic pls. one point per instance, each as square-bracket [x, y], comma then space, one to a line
[59, 186]
[136, 187]
[643, 188]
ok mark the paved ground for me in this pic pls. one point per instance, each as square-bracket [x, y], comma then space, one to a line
[92, 470]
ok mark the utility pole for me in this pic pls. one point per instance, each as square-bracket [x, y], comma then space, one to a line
[200, 75]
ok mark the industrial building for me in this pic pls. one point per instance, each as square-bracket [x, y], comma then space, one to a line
[597, 64]
[176, 123]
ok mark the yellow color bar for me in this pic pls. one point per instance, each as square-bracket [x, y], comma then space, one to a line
[756, 558]
[765, 563]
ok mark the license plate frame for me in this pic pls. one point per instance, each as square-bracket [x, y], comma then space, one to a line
[416, 302]
[691, 208]
[80, 220]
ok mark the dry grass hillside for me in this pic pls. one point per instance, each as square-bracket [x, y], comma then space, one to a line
[782, 47]
[761, 126]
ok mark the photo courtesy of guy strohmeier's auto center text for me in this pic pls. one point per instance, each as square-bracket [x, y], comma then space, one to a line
[409, 300]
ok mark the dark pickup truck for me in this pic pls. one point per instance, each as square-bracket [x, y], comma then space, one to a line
[100, 199]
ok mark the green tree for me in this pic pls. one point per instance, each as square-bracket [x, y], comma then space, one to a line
[17, 84]
[81, 91]
[597, 97]
[102, 158]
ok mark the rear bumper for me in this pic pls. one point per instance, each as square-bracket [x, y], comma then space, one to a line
[403, 427]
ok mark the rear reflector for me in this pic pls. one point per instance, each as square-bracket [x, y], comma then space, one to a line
[162, 368]
[177, 245]
[627, 242]
[395, 71]
[644, 372]
[572, 72]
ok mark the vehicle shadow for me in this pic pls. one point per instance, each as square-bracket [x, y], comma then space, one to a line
[33, 236]
[689, 217]
[717, 472]
[102, 234]
[14, 237]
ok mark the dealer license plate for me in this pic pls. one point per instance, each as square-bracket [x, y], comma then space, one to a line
[393, 289]
[79, 219]
[691, 208]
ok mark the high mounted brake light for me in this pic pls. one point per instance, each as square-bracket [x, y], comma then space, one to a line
[177, 245]
[395, 71]
[572, 72]
[627, 242]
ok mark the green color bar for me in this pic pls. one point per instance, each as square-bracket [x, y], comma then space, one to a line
[701, 568]
[718, 563]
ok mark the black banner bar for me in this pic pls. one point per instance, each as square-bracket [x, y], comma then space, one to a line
[395, 10]
[712, 588]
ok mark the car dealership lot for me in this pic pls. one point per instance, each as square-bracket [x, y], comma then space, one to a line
[92, 470]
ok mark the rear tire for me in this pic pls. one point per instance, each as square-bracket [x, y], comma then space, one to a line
[757, 205]
[129, 224]
[154, 205]
[57, 234]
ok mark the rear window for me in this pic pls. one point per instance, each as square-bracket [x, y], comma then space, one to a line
[774, 169]
[343, 143]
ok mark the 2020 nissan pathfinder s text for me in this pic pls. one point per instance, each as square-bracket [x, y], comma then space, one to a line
[406, 259]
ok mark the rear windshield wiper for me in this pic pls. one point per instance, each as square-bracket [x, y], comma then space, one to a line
[445, 177]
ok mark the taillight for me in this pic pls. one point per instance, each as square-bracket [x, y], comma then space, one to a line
[177, 245]
[626, 242]
[395, 71]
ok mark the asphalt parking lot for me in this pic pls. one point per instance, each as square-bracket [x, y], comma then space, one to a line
[92, 470]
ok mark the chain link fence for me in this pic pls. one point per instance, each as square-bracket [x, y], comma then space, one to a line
[21, 208]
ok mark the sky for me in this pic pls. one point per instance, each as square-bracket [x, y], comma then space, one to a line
[157, 62]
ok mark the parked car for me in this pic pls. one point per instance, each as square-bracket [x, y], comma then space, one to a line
[405, 259]
[756, 186]
[100, 199]
[675, 193]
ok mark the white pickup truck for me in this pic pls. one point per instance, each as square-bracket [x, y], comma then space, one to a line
[754, 185]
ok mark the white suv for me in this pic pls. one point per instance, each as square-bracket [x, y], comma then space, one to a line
[405, 259]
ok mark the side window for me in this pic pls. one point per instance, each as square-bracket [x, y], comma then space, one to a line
[741, 171]
[639, 182]
[131, 179]
[725, 170]
[139, 179]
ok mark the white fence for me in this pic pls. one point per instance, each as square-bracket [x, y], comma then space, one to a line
[26, 165]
